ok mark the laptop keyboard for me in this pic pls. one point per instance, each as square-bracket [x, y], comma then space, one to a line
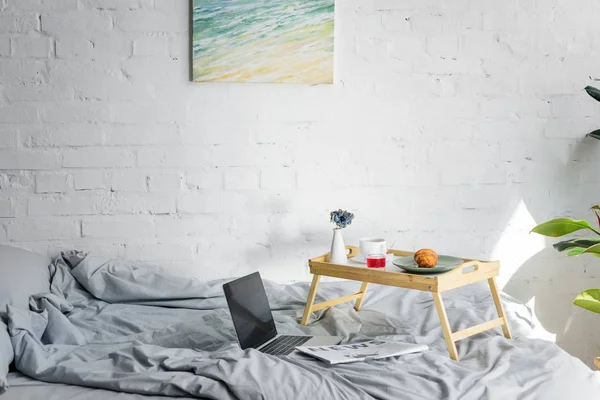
[284, 345]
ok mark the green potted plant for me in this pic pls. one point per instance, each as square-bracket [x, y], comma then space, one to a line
[595, 93]
[590, 298]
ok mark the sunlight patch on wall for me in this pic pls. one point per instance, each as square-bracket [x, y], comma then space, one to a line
[516, 245]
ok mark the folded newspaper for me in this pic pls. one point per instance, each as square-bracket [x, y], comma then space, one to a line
[371, 350]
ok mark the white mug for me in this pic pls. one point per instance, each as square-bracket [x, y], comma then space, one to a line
[372, 246]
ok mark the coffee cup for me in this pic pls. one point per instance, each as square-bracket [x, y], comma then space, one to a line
[372, 246]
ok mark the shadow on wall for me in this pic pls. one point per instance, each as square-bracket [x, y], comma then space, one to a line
[549, 280]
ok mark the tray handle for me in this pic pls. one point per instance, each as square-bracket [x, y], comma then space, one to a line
[353, 251]
[474, 264]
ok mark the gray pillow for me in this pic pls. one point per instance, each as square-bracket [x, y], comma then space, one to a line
[22, 274]
[6, 356]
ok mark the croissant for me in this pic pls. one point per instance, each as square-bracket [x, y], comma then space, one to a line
[426, 258]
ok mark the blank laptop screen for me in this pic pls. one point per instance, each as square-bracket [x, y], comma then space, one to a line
[250, 311]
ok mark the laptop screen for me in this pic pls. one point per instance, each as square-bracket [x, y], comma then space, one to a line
[250, 311]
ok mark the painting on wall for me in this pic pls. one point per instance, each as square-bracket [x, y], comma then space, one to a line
[279, 41]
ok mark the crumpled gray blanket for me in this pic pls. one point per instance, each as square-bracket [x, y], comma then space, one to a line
[131, 328]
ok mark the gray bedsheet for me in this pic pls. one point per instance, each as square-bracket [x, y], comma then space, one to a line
[113, 325]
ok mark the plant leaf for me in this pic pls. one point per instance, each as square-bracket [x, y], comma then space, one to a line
[593, 250]
[596, 207]
[575, 243]
[575, 251]
[589, 299]
[561, 226]
[592, 91]
[595, 134]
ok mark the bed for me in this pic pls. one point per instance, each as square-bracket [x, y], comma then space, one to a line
[112, 329]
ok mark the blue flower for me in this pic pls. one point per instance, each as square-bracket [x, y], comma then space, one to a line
[341, 218]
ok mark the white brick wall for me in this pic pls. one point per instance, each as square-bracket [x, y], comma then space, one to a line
[455, 125]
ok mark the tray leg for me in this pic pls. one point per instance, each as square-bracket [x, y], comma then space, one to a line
[439, 306]
[499, 307]
[311, 299]
[363, 290]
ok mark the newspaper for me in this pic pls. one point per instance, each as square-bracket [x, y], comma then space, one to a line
[371, 350]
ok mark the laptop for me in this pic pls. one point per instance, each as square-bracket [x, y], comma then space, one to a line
[254, 324]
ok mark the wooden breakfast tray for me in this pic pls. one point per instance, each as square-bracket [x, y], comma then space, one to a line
[469, 272]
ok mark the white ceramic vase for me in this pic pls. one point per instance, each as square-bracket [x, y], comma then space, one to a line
[338, 254]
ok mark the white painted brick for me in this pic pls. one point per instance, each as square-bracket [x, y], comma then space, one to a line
[28, 160]
[6, 208]
[470, 175]
[461, 21]
[111, 45]
[138, 135]
[113, 89]
[463, 152]
[443, 46]
[39, 93]
[443, 66]
[148, 21]
[51, 183]
[278, 178]
[165, 182]
[160, 252]
[42, 230]
[119, 228]
[31, 47]
[207, 202]
[19, 113]
[396, 21]
[4, 47]
[18, 23]
[165, 70]
[60, 5]
[151, 46]
[74, 48]
[244, 156]
[128, 180]
[117, 4]
[140, 113]
[211, 179]
[170, 157]
[240, 179]
[16, 182]
[590, 174]
[42, 5]
[83, 24]
[22, 71]
[181, 7]
[569, 128]
[124, 203]
[91, 112]
[426, 23]
[406, 48]
[65, 205]
[514, 107]
[89, 180]
[59, 135]
[9, 137]
[98, 157]
[197, 226]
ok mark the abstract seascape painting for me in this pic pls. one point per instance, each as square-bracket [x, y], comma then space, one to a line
[279, 41]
